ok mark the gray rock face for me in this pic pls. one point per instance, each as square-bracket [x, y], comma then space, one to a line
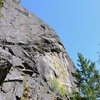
[31, 55]
[17, 1]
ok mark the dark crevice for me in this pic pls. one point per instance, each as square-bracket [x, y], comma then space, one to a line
[21, 44]
[58, 98]
[46, 41]
[21, 67]
[3, 91]
[28, 49]
[8, 43]
[27, 66]
[18, 98]
[55, 74]
[4, 70]
[43, 27]
[45, 80]
[55, 50]
[60, 43]
[15, 80]
[28, 72]
[4, 47]
[11, 51]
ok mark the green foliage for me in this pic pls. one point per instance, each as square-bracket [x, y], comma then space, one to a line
[0, 3]
[6, 99]
[88, 79]
[57, 86]
[77, 96]
[26, 91]
[26, 86]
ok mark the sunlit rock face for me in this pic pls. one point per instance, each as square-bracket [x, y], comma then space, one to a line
[31, 57]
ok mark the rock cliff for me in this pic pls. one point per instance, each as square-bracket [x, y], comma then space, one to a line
[33, 62]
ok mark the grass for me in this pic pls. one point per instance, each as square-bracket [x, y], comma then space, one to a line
[0, 3]
[57, 86]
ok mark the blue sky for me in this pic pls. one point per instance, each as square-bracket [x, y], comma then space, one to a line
[77, 22]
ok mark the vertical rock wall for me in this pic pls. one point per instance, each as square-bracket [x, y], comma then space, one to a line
[32, 58]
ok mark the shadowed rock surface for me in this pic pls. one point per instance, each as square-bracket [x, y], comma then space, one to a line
[31, 55]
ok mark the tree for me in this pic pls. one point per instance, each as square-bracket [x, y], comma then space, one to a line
[88, 79]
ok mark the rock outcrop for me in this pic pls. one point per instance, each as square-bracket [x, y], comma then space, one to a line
[33, 62]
